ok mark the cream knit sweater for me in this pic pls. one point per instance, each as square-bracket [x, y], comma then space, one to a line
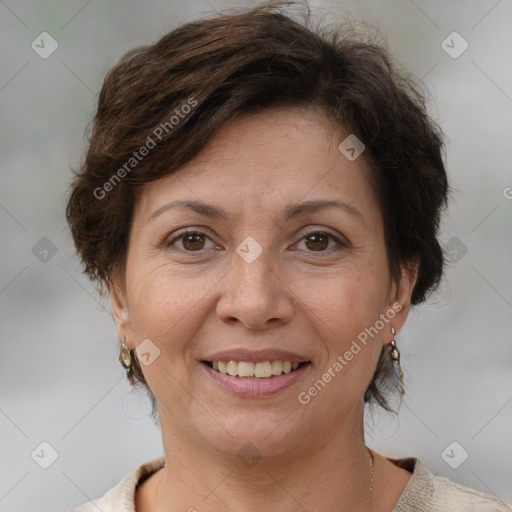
[423, 493]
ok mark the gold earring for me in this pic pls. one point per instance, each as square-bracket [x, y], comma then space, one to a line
[395, 356]
[125, 356]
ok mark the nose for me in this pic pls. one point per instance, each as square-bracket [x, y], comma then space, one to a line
[255, 294]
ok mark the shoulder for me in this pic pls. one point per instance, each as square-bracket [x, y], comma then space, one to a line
[121, 497]
[427, 492]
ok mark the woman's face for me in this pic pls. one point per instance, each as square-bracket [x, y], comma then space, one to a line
[265, 280]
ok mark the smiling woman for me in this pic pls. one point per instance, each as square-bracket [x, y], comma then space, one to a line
[260, 259]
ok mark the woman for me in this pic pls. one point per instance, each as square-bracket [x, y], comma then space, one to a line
[261, 200]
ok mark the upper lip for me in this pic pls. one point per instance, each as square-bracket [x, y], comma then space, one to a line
[255, 356]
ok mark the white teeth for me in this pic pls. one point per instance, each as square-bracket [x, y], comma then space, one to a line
[261, 370]
[232, 368]
[246, 369]
[277, 367]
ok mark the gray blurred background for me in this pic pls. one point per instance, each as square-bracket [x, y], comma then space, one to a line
[60, 380]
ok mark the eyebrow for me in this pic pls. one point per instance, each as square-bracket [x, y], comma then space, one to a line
[291, 211]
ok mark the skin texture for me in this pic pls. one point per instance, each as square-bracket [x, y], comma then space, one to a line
[311, 297]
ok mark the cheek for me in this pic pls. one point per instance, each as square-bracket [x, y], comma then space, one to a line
[347, 319]
[349, 300]
[167, 308]
[168, 311]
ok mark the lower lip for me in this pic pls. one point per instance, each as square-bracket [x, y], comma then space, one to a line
[254, 387]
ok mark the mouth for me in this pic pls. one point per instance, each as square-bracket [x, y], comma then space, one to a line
[254, 380]
[255, 373]
[262, 370]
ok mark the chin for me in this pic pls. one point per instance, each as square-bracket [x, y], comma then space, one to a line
[257, 435]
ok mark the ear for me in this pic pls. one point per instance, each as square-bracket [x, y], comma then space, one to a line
[400, 298]
[121, 312]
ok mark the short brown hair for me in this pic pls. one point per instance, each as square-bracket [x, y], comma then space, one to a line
[239, 63]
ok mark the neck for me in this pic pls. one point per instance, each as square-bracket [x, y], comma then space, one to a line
[332, 473]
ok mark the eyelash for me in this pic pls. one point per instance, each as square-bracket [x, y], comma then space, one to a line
[341, 244]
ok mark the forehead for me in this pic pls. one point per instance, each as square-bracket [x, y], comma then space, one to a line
[270, 158]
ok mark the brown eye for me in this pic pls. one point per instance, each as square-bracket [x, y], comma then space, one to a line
[191, 241]
[318, 241]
